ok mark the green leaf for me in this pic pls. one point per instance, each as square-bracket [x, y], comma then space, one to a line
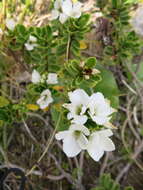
[90, 62]
[108, 86]
[107, 183]
[61, 49]
[83, 20]
[75, 44]
[72, 69]
[114, 3]
[49, 32]
[3, 101]
[4, 115]
[78, 80]
[21, 30]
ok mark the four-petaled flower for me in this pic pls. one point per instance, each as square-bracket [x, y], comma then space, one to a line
[74, 139]
[36, 77]
[45, 99]
[10, 24]
[57, 12]
[72, 9]
[31, 43]
[100, 110]
[63, 9]
[52, 78]
[99, 142]
[78, 106]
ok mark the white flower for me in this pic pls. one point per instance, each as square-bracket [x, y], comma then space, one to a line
[72, 9]
[31, 43]
[56, 12]
[45, 99]
[10, 24]
[99, 142]
[78, 106]
[63, 9]
[137, 21]
[52, 78]
[74, 139]
[100, 110]
[35, 77]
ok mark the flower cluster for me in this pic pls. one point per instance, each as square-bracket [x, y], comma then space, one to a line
[31, 42]
[64, 9]
[83, 109]
[45, 97]
[51, 78]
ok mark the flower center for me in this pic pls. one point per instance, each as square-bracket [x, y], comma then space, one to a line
[45, 98]
[77, 134]
[78, 109]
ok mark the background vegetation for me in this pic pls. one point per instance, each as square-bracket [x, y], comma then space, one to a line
[25, 130]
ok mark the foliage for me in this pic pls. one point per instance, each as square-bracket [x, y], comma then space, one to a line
[107, 183]
[60, 48]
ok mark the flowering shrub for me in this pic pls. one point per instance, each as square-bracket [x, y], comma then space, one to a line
[79, 91]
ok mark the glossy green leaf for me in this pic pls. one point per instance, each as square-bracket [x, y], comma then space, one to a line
[108, 86]
[83, 20]
[90, 62]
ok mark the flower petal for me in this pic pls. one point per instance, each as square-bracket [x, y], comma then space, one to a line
[106, 132]
[76, 12]
[54, 14]
[46, 92]
[52, 78]
[94, 149]
[77, 6]
[10, 24]
[82, 141]
[82, 128]
[61, 135]
[29, 47]
[63, 17]
[57, 4]
[107, 144]
[69, 116]
[32, 38]
[67, 7]
[97, 101]
[100, 120]
[45, 99]
[80, 119]
[79, 96]
[70, 146]
[35, 76]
